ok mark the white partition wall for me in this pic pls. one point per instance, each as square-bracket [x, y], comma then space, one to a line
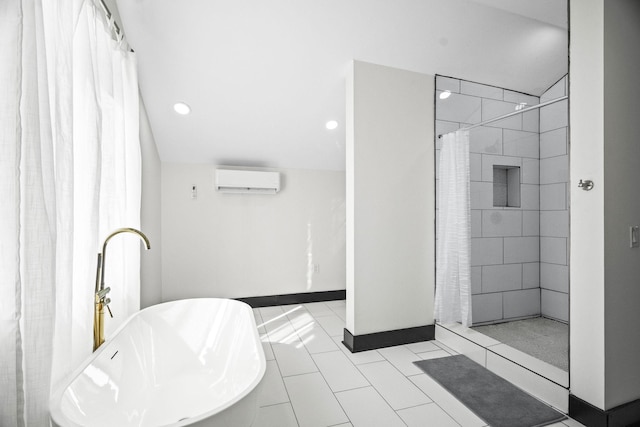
[621, 201]
[604, 269]
[390, 199]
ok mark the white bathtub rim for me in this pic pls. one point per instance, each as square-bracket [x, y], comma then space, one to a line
[57, 416]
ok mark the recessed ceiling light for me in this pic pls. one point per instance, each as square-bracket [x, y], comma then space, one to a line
[445, 94]
[331, 124]
[181, 108]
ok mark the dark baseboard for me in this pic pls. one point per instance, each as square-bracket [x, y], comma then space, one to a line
[621, 416]
[356, 343]
[302, 298]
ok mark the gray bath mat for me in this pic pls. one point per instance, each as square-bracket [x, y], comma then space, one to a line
[498, 402]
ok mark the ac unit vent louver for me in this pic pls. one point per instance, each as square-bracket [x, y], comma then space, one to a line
[247, 181]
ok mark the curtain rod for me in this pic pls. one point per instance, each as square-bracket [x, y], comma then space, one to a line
[116, 29]
[495, 119]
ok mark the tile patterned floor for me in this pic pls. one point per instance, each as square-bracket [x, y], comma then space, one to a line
[313, 380]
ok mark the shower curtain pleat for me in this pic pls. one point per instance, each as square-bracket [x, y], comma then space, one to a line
[453, 271]
[69, 173]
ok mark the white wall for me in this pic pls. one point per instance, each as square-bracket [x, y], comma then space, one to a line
[390, 199]
[604, 271]
[244, 245]
[621, 200]
[150, 218]
[586, 265]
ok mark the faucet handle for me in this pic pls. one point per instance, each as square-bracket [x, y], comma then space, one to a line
[106, 304]
[103, 293]
[101, 296]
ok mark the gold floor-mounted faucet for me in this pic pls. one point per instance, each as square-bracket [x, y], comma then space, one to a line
[100, 297]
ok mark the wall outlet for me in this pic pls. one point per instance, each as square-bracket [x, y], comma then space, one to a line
[194, 191]
[316, 268]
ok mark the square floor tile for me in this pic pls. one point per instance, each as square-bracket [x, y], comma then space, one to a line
[333, 325]
[315, 339]
[280, 330]
[392, 385]
[276, 416]
[313, 402]
[337, 303]
[366, 408]
[270, 313]
[341, 312]
[318, 309]
[293, 358]
[433, 355]
[431, 414]
[266, 346]
[402, 358]
[272, 389]
[361, 356]
[338, 371]
[421, 347]
[572, 423]
[299, 317]
[456, 410]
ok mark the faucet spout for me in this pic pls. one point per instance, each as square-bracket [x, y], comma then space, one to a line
[102, 256]
[100, 296]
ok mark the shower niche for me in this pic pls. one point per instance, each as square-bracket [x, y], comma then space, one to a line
[506, 186]
[519, 210]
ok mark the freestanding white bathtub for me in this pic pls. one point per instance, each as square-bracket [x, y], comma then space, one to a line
[190, 362]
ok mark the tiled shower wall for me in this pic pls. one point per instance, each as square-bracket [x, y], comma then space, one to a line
[505, 243]
[554, 204]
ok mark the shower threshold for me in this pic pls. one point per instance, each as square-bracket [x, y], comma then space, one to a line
[537, 377]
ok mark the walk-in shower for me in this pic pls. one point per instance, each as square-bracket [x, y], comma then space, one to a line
[519, 210]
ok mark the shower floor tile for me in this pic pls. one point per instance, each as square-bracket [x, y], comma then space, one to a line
[544, 339]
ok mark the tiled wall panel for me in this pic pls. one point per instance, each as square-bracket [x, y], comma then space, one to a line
[554, 277]
[553, 250]
[519, 254]
[496, 223]
[553, 197]
[556, 304]
[501, 278]
[505, 240]
[486, 307]
[531, 275]
[486, 251]
[553, 143]
[554, 206]
[521, 303]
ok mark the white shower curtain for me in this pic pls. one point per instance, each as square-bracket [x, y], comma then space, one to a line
[453, 271]
[69, 173]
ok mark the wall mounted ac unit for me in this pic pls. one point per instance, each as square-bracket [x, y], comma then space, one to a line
[247, 181]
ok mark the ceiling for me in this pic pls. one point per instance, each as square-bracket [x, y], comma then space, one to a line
[263, 77]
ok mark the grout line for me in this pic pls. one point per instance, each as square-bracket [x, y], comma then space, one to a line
[405, 376]
[285, 389]
[277, 404]
[354, 388]
[438, 405]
